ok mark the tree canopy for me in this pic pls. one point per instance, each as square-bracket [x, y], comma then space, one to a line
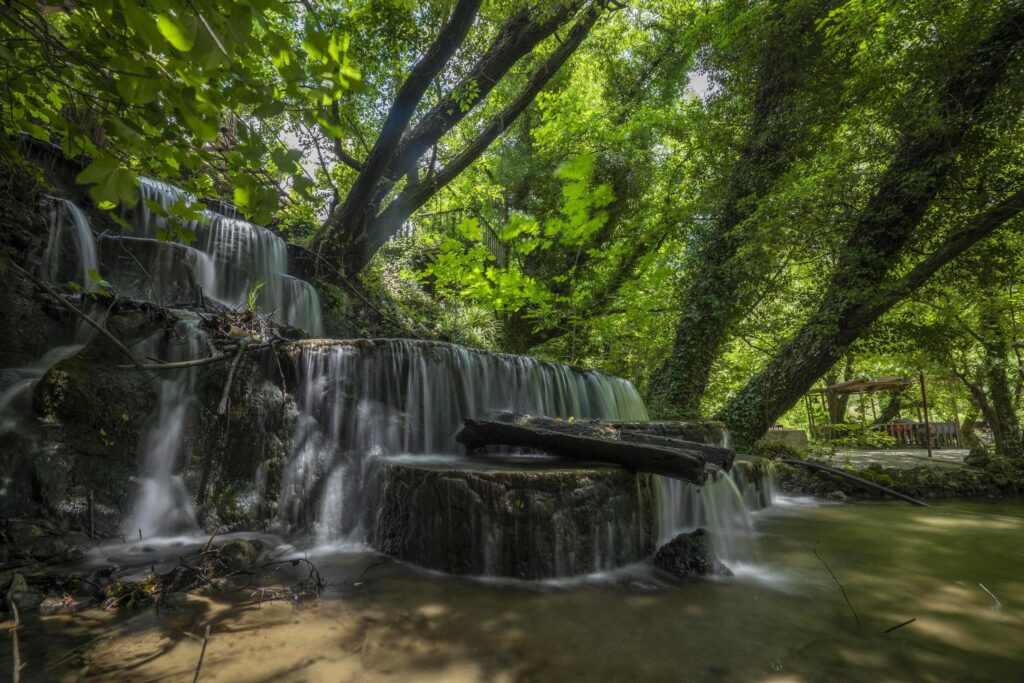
[727, 202]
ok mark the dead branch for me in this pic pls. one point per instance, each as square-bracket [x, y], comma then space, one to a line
[836, 579]
[223, 406]
[67, 304]
[893, 628]
[202, 654]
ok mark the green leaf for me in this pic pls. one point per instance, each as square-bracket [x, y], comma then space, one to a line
[111, 184]
[177, 35]
[138, 90]
[143, 24]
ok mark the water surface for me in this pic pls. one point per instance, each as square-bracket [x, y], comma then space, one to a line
[782, 619]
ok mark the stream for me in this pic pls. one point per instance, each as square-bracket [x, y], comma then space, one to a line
[953, 567]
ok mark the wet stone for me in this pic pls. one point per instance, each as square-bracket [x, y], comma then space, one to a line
[690, 554]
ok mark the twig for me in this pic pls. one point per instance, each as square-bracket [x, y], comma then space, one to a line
[178, 365]
[893, 628]
[149, 279]
[67, 304]
[836, 579]
[199, 666]
[14, 642]
[998, 606]
[223, 406]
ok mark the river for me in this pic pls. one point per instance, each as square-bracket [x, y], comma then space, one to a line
[955, 568]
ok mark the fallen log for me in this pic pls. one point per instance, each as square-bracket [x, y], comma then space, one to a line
[859, 480]
[627, 432]
[677, 463]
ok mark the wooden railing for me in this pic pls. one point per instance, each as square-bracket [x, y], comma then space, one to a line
[906, 434]
[912, 434]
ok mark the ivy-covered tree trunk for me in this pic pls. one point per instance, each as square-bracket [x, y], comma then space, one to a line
[860, 290]
[714, 293]
[995, 331]
[1003, 417]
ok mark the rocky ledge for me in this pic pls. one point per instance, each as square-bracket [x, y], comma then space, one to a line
[529, 518]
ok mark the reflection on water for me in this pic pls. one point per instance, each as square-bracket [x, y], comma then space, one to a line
[781, 620]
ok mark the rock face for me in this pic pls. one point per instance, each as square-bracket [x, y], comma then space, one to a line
[689, 555]
[515, 520]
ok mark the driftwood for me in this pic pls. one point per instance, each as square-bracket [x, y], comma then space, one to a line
[678, 463]
[870, 484]
[628, 432]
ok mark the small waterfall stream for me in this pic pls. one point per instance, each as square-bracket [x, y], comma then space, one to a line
[70, 255]
[161, 505]
[228, 258]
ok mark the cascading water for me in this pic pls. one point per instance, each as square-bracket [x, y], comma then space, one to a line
[229, 257]
[69, 257]
[360, 401]
[161, 504]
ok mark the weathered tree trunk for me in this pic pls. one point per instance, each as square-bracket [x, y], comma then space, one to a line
[688, 464]
[716, 290]
[684, 436]
[892, 408]
[860, 290]
[837, 403]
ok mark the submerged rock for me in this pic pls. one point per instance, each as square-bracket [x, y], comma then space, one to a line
[21, 594]
[690, 554]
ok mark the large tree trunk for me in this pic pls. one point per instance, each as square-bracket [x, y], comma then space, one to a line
[995, 330]
[838, 403]
[860, 290]
[715, 291]
[373, 211]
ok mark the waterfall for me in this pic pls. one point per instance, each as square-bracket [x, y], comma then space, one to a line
[161, 505]
[69, 256]
[229, 257]
[360, 401]
[722, 505]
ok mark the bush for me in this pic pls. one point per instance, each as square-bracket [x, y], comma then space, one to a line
[775, 449]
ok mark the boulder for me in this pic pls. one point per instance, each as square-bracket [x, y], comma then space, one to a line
[977, 457]
[21, 594]
[239, 554]
[689, 555]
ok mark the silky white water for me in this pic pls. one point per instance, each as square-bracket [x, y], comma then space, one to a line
[161, 505]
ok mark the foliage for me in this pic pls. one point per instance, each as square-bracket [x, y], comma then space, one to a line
[161, 88]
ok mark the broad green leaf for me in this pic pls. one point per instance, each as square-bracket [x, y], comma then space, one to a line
[180, 37]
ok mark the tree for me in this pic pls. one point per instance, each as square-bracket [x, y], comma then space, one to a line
[861, 288]
[373, 209]
[245, 75]
[726, 264]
